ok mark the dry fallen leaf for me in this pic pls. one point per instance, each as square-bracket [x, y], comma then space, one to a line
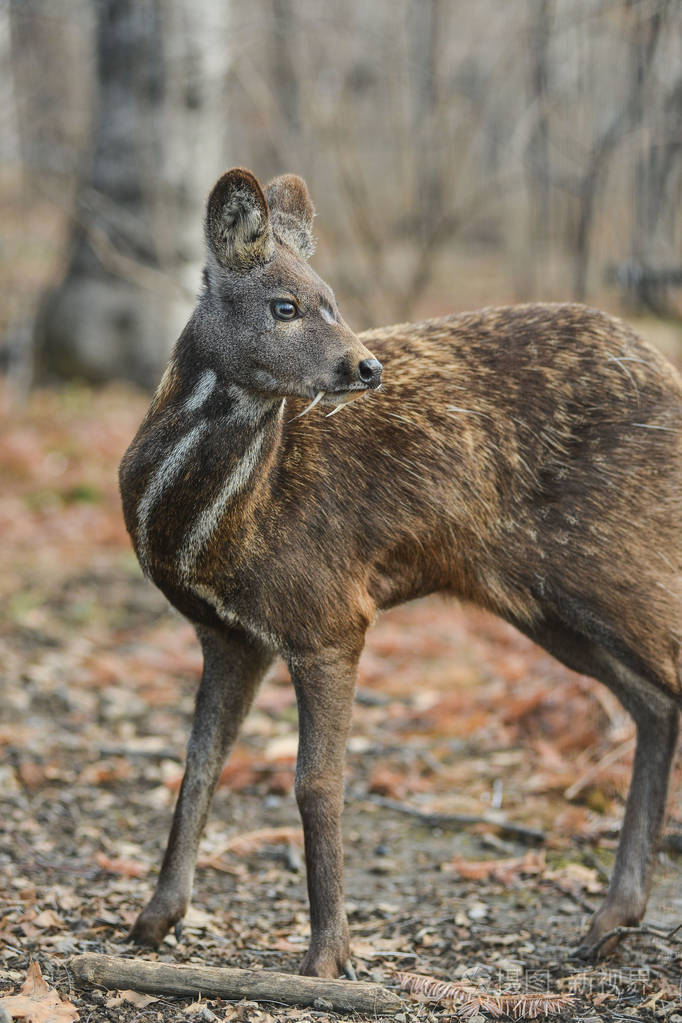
[197, 919]
[504, 871]
[385, 782]
[138, 998]
[282, 747]
[251, 841]
[48, 918]
[383, 949]
[126, 868]
[576, 875]
[38, 1002]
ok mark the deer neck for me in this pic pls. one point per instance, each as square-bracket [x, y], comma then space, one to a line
[210, 443]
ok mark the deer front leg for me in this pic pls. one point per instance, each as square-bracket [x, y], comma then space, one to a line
[233, 667]
[324, 690]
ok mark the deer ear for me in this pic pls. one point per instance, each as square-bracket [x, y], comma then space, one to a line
[292, 213]
[238, 232]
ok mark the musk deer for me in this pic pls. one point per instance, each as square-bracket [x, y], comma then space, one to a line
[528, 459]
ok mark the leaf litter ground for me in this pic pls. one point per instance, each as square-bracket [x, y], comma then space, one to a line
[456, 714]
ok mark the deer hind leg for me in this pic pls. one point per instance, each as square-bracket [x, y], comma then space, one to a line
[324, 684]
[657, 718]
[233, 668]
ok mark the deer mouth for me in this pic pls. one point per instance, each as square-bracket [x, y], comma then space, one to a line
[338, 399]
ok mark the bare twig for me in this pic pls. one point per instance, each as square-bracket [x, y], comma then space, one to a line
[671, 841]
[595, 770]
[641, 929]
[438, 820]
[591, 860]
[134, 270]
[574, 896]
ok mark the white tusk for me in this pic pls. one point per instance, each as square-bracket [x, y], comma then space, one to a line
[337, 409]
[346, 401]
[318, 397]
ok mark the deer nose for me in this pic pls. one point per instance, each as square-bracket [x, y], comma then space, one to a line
[369, 371]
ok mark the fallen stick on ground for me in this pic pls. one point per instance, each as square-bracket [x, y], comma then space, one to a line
[622, 932]
[439, 820]
[225, 982]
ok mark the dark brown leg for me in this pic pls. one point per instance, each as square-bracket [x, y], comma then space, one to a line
[233, 667]
[324, 689]
[657, 720]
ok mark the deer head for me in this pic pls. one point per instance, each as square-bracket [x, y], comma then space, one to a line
[271, 323]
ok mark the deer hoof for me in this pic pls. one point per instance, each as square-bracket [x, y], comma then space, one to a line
[595, 945]
[328, 964]
[590, 951]
[349, 970]
[152, 926]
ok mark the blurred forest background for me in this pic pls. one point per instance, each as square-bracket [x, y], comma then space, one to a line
[459, 154]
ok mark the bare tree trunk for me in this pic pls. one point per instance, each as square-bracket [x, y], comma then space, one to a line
[659, 151]
[135, 248]
[285, 74]
[537, 152]
[644, 37]
[9, 138]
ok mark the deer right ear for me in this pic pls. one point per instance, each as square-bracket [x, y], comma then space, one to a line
[238, 232]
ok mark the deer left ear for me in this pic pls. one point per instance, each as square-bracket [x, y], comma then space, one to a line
[291, 213]
[238, 232]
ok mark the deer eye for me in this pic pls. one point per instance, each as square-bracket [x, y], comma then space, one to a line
[284, 309]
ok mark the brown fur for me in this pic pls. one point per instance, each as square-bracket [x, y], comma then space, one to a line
[292, 214]
[527, 459]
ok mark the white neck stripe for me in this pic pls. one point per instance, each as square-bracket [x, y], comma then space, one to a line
[207, 520]
[166, 473]
[202, 391]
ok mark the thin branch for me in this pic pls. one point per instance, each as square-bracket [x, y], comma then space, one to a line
[438, 820]
[623, 932]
